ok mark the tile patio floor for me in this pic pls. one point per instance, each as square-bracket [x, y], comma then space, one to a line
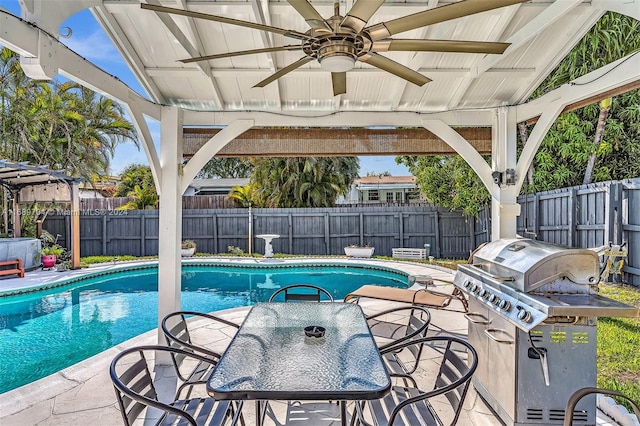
[83, 394]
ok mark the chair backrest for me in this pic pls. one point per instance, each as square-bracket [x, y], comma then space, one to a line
[581, 393]
[133, 382]
[301, 293]
[455, 371]
[386, 324]
[178, 336]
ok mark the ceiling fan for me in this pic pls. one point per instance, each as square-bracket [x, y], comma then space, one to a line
[339, 41]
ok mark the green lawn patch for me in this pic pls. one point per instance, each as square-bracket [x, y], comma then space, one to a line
[619, 346]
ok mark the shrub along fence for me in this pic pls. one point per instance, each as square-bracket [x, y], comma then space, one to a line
[317, 231]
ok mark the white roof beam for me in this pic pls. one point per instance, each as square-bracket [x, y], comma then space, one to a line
[626, 7]
[614, 75]
[191, 50]
[263, 16]
[477, 118]
[545, 19]
[459, 92]
[106, 20]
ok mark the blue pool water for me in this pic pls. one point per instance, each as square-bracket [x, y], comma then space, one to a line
[45, 331]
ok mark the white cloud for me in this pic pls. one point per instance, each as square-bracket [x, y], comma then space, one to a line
[95, 47]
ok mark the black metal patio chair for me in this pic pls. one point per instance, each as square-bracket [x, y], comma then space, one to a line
[570, 411]
[176, 331]
[136, 393]
[301, 293]
[411, 405]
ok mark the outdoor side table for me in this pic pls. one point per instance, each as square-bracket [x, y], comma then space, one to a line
[271, 358]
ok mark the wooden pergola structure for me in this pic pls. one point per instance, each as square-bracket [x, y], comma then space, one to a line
[33, 184]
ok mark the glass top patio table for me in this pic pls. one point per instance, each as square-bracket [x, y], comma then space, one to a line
[270, 358]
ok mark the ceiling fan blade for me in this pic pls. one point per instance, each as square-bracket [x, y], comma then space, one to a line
[291, 47]
[434, 16]
[395, 68]
[397, 45]
[310, 14]
[360, 13]
[273, 77]
[238, 22]
[339, 80]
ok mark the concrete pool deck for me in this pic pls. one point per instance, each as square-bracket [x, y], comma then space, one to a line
[83, 394]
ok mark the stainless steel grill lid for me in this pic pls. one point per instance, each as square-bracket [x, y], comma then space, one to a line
[527, 264]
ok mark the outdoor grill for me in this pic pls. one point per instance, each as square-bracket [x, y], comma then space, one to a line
[532, 317]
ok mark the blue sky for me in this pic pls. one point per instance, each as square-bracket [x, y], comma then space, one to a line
[89, 40]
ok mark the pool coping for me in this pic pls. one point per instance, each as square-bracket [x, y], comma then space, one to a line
[43, 280]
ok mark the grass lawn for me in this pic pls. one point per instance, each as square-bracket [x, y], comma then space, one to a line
[619, 345]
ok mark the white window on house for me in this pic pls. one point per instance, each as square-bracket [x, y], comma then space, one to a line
[373, 195]
[389, 197]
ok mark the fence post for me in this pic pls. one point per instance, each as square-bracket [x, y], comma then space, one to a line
[104, 234]
[143, 237]
[572, 217]
[327, 241]
[401, 228]
[613, 213]
[216, 249]
[436, 219]
[361, 229]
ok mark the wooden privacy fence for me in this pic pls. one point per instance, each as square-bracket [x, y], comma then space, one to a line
[318, 231]
[587, 216]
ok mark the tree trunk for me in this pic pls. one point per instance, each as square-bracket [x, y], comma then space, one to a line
[605, 106]
[524, 137]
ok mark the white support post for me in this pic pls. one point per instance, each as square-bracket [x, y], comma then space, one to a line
[170, 229]
[504, 206]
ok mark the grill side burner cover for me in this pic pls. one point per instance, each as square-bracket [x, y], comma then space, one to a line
[530, 264]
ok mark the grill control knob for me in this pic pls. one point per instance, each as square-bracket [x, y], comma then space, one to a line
[524, 316]
[466, 284]
[504, 305]
[493, 299]
[483, 293]
[474, 288]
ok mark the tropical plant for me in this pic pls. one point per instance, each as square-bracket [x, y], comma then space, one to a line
[613, 37]
[61, 124]
[303, 181]
[54, 250]
[188, 244]
[141, 198]
[132, 175]
[243, 195]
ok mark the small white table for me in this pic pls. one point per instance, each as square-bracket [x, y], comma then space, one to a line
[268, 248]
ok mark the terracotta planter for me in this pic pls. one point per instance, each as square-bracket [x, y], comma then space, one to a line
[48, 260]
[359, 251]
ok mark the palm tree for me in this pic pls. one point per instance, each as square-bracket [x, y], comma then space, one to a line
[62, 124]
[303, 181]
[243, 195]
[142, 198]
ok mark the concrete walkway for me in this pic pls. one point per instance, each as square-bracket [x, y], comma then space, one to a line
[83, 394]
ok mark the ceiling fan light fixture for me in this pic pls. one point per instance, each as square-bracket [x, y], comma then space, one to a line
[338, 62]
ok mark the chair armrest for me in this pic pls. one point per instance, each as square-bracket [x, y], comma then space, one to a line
[580, 393]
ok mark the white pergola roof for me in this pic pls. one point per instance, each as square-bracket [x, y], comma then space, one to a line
[540, 32]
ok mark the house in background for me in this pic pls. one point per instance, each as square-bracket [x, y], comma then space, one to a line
[383, 190]
[214, 186]
[103, 187]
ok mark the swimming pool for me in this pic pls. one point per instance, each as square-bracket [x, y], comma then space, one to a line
[46, 331]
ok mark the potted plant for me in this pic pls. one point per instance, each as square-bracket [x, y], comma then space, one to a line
[188, 248]
[358, 251]
[50, 255]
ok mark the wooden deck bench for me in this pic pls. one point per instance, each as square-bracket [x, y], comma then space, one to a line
[409, 253]
[17, 267]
